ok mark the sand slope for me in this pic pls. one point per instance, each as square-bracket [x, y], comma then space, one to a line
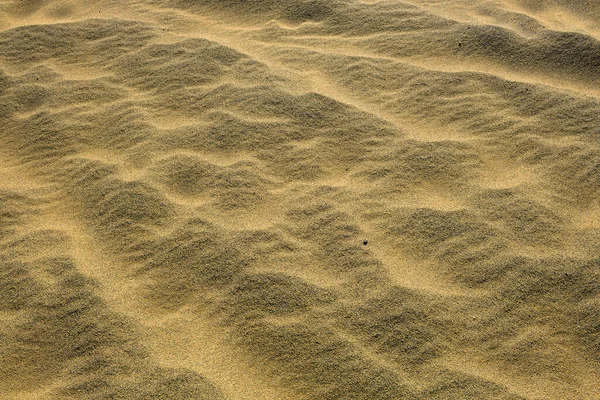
[300, 199]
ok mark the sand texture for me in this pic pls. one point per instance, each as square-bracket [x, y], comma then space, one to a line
[300, 199]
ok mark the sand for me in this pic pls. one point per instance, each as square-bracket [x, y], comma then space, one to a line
[299, 199]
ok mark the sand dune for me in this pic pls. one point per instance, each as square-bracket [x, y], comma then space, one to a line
[299, 199]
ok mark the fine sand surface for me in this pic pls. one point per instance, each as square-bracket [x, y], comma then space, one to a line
[300, 199]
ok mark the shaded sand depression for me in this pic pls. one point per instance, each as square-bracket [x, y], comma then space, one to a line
[299, 199]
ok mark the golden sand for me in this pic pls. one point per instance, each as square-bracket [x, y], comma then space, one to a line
[299, 199]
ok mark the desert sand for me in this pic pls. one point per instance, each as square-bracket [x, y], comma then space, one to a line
[300, 199]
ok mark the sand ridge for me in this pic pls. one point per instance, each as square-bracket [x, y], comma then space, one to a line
[304, 199]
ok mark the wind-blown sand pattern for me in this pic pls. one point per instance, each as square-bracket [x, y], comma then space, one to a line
[300, 199]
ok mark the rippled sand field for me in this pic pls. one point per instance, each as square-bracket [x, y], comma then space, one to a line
[300, 199]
